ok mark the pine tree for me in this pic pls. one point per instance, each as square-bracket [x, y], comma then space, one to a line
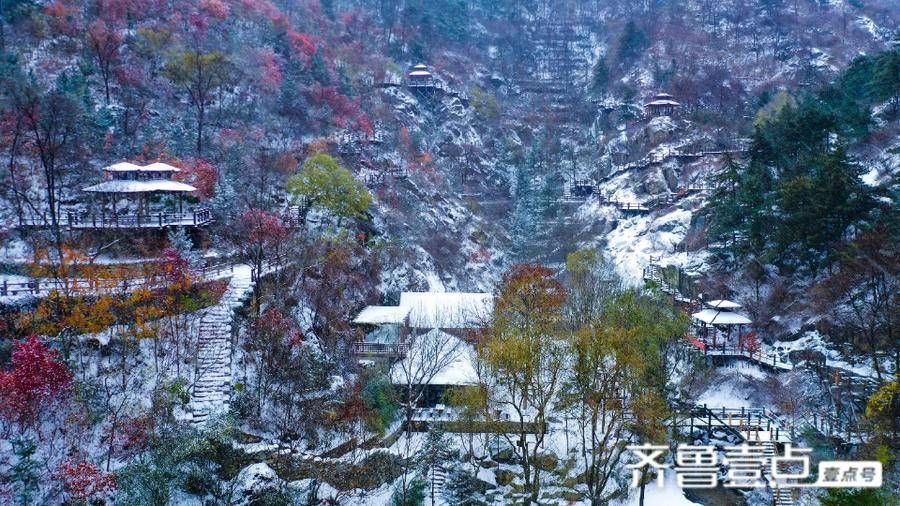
[434, 457]
[600, 76]
[24, 471]
[523, 220]
[632, 43]
[181, 242]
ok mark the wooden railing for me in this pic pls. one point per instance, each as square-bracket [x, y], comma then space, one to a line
[768, 360]
[380, 349]
[43, 286]
[77, 219]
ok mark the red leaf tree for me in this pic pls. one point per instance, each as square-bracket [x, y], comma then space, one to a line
[37, 381]
[200, 173]
[261, 235]
[105, 43]
[85, 482]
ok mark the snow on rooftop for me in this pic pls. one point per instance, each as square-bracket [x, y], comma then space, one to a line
[720, 317]
[160, 166]
[662, 102]
[122, 167]
[124, 186]
[376, 315]
[130, 167]
[436, 347]
[447, 310]
[419, 73]
[723, 304]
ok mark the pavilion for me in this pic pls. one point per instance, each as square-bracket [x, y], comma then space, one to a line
[152, 199]
[720, 316]
[662, 104]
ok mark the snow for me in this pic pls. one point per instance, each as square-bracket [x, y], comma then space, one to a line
[122, 167]
[447, 310]
[717, 317]
[458, 356]
[723, 304]
[130, 167]
[382, 314]
[725, 394]
[122, 186]
[669, 495]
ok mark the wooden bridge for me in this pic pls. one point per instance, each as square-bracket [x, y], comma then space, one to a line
[76, 220]
[43, 287]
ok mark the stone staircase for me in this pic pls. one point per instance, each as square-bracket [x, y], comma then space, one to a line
[211, 393]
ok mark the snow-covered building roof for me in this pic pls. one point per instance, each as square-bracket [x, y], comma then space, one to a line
[160, 167]
[662, 99]
[420, 70]
[447, 310]
[379, 315]
[723, 304]
[131, 186]
[721, 317]
[437, 347]
[662, 102]
[122, 167]
[130, 167]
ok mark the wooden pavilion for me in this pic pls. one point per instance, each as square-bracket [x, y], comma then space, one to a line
[719, 317]
[132, 196]
[662, 104]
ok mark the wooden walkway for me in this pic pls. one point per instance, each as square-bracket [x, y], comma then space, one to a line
[75, 220]
[43, 287]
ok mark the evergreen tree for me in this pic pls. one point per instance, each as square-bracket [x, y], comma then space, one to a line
[181, 242]
[413, 496]
[24, 471]
[464, 489]
[435, 457]
[632, 43]
[319, 69]
[600, 76]
[523, 220]
[885, 83]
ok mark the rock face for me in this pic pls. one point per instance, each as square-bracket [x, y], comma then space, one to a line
[659, 130]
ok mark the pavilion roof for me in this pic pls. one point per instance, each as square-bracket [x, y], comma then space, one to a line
[720, 317]
[662, 102]
[130, 167]
[723, 304]
[126, 186]
[377, 315]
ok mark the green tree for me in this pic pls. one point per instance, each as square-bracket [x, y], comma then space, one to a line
[323, 182]
[600, 76]
[857, 497]
[524, 214]
[201, 75]
[24, 472]
[885, 83]
[632, 43]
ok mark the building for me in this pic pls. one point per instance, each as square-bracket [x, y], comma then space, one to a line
[662, 104]
[436, 361]
[718, 320]
[389, 327]
[420, 77]
[132, 196]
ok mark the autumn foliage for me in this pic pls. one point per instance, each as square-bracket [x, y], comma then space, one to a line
[37, 380]
[199, 173]
[85, 482]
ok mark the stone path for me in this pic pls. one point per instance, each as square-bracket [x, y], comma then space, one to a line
[211, 394]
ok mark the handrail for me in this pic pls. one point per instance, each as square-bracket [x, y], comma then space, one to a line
[80, 219]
